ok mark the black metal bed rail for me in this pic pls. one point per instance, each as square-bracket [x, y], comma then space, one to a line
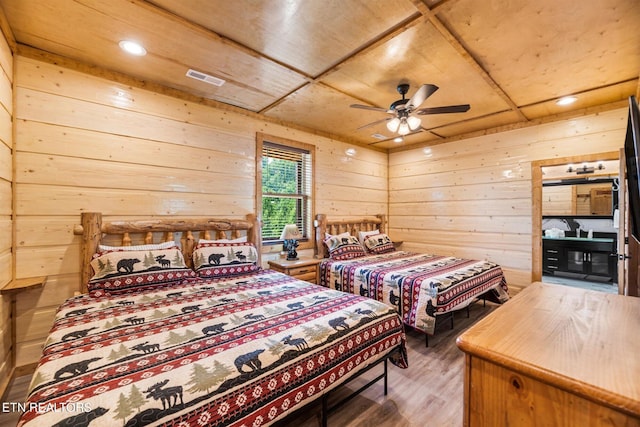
[326, 409]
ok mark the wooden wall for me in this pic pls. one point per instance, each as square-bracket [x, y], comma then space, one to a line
[6, 202]
[87, 143]
[472, 198]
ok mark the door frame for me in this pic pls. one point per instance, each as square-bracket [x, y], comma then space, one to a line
[536, 201]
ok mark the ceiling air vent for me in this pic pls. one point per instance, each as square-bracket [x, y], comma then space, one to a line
[205, 78]
[378, 136]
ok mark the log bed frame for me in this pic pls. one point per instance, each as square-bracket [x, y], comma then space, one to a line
[94, 231]
[323, 225]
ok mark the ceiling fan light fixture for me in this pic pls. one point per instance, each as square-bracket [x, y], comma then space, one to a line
[393, 124]
[403, 129]
[414, 122]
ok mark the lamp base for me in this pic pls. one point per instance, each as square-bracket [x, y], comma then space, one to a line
[292, 255]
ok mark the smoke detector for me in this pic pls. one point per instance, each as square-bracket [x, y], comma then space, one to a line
[203, 77]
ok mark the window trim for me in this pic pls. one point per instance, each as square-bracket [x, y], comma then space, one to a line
[261, 138]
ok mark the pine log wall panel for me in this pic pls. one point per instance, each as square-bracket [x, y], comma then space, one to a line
[472, 198]
[351, 182]
[6, 202]
[86, 143]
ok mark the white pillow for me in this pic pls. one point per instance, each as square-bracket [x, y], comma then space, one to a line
[242, 239]
[149, 247]
[362, 235]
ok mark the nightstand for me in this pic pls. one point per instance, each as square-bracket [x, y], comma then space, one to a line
[303, 268]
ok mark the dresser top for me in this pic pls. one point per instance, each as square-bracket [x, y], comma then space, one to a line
[584, 342]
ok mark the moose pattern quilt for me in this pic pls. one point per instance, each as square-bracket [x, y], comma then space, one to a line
[241, 351]
[420, 286]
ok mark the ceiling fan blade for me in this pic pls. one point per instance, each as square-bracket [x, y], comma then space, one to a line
[368, 107]
[425, 91]
[443, 110]
[375, 123]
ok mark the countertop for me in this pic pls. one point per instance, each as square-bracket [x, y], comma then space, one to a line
[581, 239]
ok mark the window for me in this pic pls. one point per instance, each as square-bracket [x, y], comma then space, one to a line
[286, 180]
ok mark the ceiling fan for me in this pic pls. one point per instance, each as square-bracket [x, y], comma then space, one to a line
[404, 110]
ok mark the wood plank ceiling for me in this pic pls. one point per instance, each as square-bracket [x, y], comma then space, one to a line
[303, 62]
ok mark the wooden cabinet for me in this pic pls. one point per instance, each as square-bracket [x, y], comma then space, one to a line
[582, 256]
[601, 201]
[303, 268]
[554, 356]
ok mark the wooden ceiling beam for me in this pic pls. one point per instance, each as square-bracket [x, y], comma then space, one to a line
[464, 52]
[353, 55]
[180, 21]
[8, 33]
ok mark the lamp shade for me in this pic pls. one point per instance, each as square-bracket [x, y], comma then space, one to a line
[414, 122]
[393, 124]
[290, 231]
[403, 129]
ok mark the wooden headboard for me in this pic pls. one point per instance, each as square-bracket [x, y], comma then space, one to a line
[94, 231]
[353, 226]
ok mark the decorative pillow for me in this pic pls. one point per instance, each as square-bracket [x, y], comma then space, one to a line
[362, 235]
[149, 247]
[124, 269]
[224, 259]
[327, 236]
[346, 247]
[379, 244]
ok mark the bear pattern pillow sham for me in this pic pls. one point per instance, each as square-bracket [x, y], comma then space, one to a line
[224, 259]
[120, 270]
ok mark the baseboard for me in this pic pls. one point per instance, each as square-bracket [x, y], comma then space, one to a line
[17, 372]
[23, 370]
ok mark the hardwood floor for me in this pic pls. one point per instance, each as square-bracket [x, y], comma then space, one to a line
[428, 393]
[17, 392]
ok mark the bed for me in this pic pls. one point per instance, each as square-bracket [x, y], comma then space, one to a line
[231, 345]
[422, 287]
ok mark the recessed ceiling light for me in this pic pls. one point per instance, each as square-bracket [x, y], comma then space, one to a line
[398, 139]
[132, 47]
[566, 100]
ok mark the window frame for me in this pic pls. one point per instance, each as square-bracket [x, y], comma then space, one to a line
[261, 139]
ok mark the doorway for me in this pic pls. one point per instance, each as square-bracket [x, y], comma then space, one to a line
[576, 168]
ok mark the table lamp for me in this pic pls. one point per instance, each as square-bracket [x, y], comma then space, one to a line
[289, 237]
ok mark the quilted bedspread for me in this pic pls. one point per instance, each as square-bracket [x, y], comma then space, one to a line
[235, 352]
[420, 286]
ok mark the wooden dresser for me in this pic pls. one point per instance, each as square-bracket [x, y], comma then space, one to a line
[554, 356]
